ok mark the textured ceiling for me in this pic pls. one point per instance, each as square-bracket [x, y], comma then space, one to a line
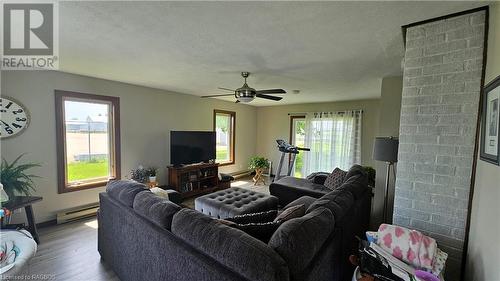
[330, 51]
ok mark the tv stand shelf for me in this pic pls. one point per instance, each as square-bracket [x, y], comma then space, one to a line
[193, 180]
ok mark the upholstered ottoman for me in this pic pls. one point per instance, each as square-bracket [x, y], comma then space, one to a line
[234, 201]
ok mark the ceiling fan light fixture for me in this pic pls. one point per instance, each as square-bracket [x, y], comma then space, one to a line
[245, 99]
[246, 94]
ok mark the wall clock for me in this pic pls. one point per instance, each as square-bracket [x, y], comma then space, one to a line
[14, 118]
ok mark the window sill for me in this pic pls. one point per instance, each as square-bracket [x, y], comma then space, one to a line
[226, 163]
[66, 189]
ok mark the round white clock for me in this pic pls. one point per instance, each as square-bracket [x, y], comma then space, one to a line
[14, 118]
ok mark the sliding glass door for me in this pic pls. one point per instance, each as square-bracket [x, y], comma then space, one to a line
[333, 137]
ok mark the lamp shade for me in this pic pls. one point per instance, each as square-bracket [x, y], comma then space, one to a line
[386, 149]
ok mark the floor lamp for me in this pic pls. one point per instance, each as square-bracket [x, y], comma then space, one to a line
[386, 149]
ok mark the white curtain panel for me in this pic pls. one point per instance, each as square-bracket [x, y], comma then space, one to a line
[334, 139]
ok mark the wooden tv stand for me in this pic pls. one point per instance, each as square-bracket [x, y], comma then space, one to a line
[192, 180]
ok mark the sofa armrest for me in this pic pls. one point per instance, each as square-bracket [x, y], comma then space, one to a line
[288, 189]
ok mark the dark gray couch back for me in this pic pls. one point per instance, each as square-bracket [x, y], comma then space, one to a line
[229, 246]
[138, 249]
[299, 240]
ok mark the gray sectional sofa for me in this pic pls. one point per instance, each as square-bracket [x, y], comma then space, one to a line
[144, 237]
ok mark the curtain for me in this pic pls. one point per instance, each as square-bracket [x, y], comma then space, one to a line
[334, 139]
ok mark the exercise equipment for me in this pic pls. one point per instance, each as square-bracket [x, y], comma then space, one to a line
[286, 148]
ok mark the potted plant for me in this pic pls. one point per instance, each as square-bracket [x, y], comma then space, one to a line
[152, 171]
[139, 175]
[258, 164]
[371, 173]
[16, 179]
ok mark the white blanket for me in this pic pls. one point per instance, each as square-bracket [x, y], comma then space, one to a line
[16, 248]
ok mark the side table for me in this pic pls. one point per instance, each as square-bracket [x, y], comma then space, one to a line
[25, 202]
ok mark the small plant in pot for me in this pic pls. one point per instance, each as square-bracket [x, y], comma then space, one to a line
[258, 164]
[16, 179]
[152, 171]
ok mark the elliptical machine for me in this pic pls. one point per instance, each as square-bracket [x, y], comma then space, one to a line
[286, 148]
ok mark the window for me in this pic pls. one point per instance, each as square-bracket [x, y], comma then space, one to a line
[297, 138]
[88, 140]
[224, 124]
[334, 139]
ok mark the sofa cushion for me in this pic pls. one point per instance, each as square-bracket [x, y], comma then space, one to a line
[231, 247]
[318, 177]
[291, 213]
[338, 201]
[356, 181]
[124, 191]
[305, 200]
[355, 170]
[300, 239]
[335, 179]
[157, 209]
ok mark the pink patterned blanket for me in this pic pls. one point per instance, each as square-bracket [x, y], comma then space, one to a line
[408, 245]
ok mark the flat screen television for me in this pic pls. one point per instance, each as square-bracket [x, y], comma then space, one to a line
[189, 147]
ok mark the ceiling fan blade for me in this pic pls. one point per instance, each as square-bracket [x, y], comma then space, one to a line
[272, 91]
[213, 96]
[226, 89]
[268, 97]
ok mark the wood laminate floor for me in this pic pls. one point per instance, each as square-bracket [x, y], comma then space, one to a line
[68, 252]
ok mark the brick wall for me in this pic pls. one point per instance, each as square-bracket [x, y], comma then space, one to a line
[441, 88]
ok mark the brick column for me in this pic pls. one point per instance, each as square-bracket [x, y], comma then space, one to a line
[441, 89]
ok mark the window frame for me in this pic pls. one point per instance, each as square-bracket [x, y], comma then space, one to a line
[115, 146]
[293, 118]
[232, 138]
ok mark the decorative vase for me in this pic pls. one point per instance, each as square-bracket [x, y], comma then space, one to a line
[152, 179]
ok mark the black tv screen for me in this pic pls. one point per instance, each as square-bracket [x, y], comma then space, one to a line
[189, 147]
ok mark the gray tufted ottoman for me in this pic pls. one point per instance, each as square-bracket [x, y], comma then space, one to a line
[234, 201]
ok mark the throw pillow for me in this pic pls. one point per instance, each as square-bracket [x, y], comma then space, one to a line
[291, 213]
[258, 225]
[262, 231]
[260, 217]
[335, 179]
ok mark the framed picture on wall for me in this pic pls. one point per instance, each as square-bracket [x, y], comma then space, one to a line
[490, 123]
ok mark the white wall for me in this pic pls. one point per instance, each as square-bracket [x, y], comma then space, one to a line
[483, 258]
[390, 109]
[147, 116]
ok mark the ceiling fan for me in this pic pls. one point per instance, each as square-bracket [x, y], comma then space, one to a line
[247, 94]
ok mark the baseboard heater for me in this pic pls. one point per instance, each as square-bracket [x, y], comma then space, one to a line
[77, 213]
